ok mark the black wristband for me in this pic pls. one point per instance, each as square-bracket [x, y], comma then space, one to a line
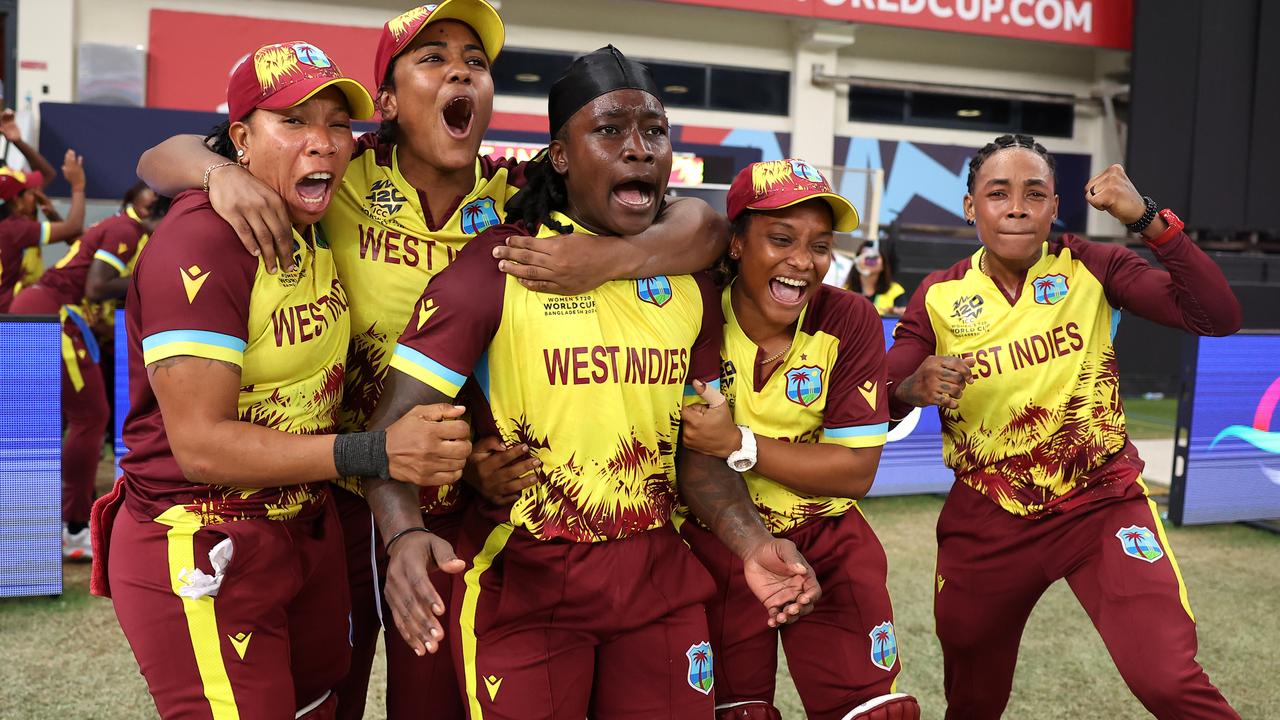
[362, 455]
[1147, 217]
[402, 533]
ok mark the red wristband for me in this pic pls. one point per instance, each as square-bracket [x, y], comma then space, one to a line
[1175, 228]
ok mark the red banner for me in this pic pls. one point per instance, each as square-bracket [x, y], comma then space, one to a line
[1099, 23]
[191, 55]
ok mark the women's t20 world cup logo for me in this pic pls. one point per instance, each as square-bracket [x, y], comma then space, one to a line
[1259, 434]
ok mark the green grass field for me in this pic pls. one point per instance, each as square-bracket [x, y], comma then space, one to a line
[1150, 419]
[66, 657]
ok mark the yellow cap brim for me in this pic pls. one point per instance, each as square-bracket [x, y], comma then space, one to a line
[358, 99]
[479, 16]
[844, 215]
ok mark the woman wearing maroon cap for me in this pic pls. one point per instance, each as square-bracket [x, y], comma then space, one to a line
[415, 195]
[220, 545]
[803, 373]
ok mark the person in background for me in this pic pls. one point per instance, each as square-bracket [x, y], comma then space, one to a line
[21, 196]
[873, 279]
[95, 269]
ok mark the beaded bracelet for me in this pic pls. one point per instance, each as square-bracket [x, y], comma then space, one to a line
[1147, 217]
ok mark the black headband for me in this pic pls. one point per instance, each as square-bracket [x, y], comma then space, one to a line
[591, 76]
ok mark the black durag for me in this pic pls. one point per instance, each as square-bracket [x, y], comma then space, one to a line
[591, 76]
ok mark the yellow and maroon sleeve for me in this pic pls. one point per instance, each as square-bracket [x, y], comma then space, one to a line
[117, 246]
[194, 286]
[704, 358]
[27, 233]
[490, 166]
[1191, 294]
[913, 341]
[857, 410]
[456, 317]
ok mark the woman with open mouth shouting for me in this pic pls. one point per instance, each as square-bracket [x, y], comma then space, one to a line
[415, 195]
[220, 545]
[580, 600]
[802, 375]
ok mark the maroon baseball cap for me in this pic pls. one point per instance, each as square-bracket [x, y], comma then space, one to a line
[283, 75]
[403, 28]
[778, 184]
[13, 182]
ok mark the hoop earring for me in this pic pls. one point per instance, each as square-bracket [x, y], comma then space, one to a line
[970, 221]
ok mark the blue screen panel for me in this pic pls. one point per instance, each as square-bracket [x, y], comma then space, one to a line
[121, 400]
[1233, 461]
[30, 456]
[912, 461]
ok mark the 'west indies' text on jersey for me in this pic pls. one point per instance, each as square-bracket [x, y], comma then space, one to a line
[593, 383]
[196, 292]
[387, 250]
[1042, 428]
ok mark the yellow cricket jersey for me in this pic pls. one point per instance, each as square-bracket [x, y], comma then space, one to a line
[1042, 428]
[387, 250]
[829, 388]
[196, 292]
[593, 383]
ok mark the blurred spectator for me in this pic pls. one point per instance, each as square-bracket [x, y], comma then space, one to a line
[873, 278]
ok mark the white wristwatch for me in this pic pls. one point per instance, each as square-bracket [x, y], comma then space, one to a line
[744, 458]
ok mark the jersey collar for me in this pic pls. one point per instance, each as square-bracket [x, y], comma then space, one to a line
[734, 331]
[547, 231]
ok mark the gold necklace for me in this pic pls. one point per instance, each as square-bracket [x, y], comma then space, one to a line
[779, 354]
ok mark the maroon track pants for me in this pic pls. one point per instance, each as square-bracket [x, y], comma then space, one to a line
[85, 410]
[417, 687]
[994, 566]
[841, 655]
[271, 642]
[611, 630]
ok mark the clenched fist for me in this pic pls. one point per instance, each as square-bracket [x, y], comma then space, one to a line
[1112, 192]
[429, 445]
[939, 380]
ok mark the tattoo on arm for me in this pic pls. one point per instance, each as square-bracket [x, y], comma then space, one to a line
[718, 497]
[172, 362]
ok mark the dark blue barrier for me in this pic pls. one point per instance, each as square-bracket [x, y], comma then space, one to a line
[1230, 468]
[912, 461]
[30, 455]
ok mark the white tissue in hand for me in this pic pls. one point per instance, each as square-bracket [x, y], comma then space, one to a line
[197, 583]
